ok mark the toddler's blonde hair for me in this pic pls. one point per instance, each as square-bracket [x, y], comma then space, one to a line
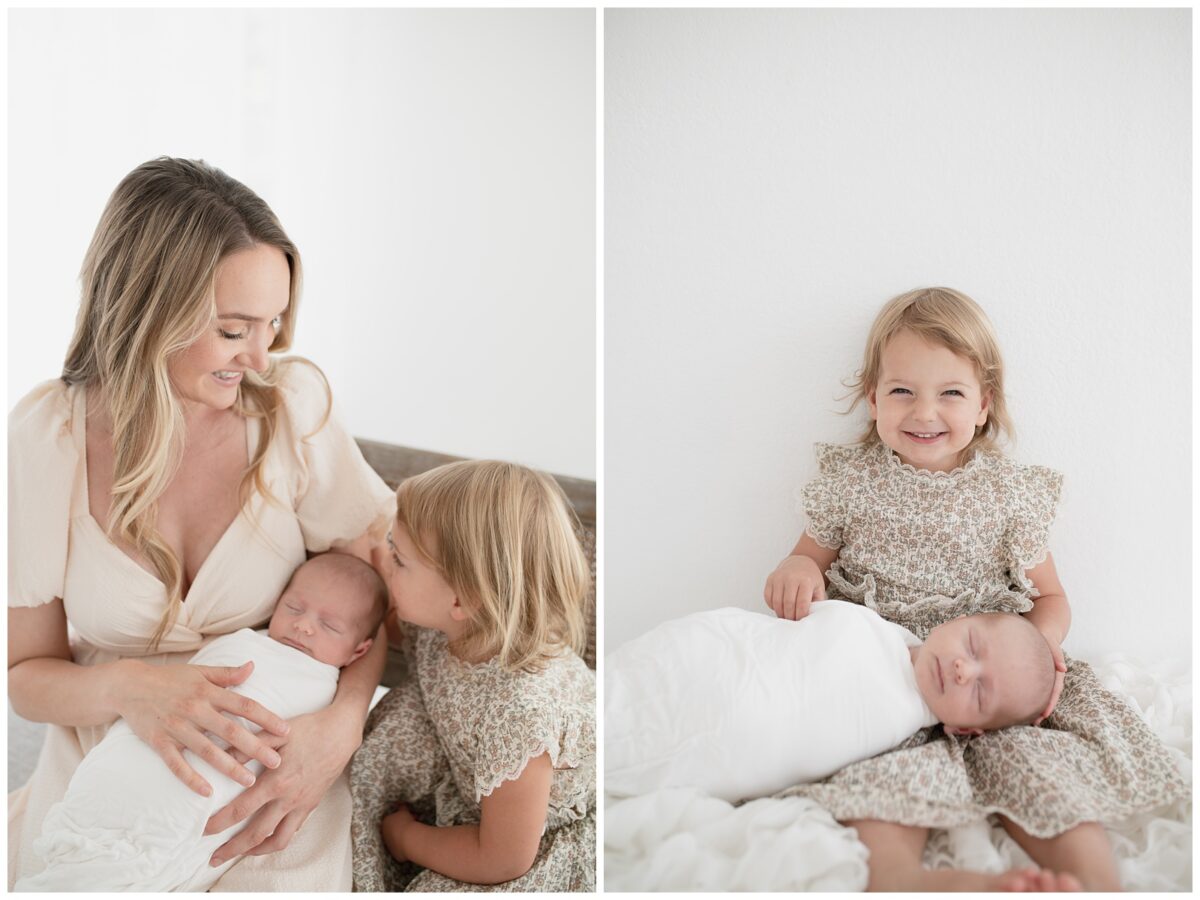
[503, 537]
[953, 320]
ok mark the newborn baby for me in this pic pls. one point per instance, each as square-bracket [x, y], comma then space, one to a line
[741, 704]
[126, 823]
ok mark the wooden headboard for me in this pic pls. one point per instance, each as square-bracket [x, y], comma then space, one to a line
[394, 464]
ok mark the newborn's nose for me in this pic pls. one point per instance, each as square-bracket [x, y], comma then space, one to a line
[963, 670]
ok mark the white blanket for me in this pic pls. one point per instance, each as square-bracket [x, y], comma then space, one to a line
[684, 840]
[740, 704]
[128, 824]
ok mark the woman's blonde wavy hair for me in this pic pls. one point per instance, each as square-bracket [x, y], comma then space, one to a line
[147, 294]
[952, 320]
[504, 538]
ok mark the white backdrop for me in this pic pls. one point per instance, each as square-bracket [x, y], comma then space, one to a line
[773, 177]
[435, 168]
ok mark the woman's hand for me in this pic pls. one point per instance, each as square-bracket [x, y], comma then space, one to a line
[314, 754]
[1060, 670]
[177, 706]
[393, 828]
[793, 586]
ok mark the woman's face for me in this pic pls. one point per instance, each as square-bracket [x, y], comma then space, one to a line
[252, 290]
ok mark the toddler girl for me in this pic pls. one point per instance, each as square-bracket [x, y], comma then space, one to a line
[480, 768]
[924, 520]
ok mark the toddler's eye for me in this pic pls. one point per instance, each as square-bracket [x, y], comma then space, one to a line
[900, 391]
[331, 628]
[955, 392]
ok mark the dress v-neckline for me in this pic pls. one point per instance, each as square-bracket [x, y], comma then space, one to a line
[80, 415]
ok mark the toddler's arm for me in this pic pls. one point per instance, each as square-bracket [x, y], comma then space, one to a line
[500, 848]
[1051, 614]
[799, 579]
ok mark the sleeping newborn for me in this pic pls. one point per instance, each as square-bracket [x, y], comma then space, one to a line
[742, 704]
[126, 823]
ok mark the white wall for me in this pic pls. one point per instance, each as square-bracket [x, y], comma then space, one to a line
[436, 169]
[772, 177]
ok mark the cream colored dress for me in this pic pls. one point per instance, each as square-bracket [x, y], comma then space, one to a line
[328, 496]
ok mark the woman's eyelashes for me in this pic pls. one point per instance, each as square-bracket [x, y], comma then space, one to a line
[276, 323]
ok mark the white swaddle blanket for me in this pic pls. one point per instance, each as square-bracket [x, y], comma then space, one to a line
[127, 824]
[742, 704]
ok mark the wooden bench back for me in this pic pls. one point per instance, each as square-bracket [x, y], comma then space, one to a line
[395, 463]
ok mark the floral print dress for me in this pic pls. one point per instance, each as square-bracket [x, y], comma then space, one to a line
[922, 548]
[445, 739]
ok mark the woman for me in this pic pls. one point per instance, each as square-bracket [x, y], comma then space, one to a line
[161, 492]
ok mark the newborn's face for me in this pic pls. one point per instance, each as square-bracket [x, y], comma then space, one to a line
[320, 614]
[969, 674]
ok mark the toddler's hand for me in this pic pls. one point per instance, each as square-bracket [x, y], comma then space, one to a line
[393, 828]
[1060, 668]
[793, 586]
[1036, 881]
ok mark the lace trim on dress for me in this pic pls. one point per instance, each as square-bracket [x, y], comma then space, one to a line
[823, 541]
[577, 806]
[937, 477]
[935, 608]
[1020, 567]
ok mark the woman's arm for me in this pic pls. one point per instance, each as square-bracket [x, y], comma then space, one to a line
[314, 753]
[44, 684]
[168, 707]
[500, 848]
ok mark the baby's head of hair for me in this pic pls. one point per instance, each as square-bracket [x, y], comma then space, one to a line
[363, 587]
[503, 537]
[331, 608]
[1032, 662]
[985, 672]
[950, 319]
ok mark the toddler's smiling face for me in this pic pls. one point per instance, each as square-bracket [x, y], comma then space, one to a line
[928, 402]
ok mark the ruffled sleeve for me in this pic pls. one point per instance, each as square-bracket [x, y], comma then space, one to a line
[824, 498]
[43, 464]
[1033, 497]
[337, 496]
[523, 724]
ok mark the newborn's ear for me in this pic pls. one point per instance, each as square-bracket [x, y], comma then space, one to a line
[360, 649]
[962, 732]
